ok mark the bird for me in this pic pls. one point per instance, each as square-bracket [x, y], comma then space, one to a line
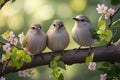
[57, 36]
[83, 32]
[35, 39]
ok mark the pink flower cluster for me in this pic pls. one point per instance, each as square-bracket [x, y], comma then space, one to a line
[2, 78]
[92, 66]
[25, 73]
[11, 38]
[21, 37]
[102, 9]
[103, 77]
[6, 47]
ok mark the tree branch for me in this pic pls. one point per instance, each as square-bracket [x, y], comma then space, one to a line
[5, 1]
[102, 53]
[3, 43]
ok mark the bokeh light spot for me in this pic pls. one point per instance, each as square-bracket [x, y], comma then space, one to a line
[78, 5]
[45, 12]
[15, 22]
[64, 11]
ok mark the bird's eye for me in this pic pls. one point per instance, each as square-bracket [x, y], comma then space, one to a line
[54, 25]
[61, 25]
[82, 20]
[33, 28]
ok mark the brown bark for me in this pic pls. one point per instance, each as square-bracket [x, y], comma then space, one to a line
[102, 53]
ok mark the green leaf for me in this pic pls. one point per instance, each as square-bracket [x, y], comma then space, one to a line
[7, 55]
[27, 58]
[89, 58]
[115, 23]
[102, 37]
[61, 64]
[115, 2]
[14, 50]
[21, 53]
[13, 1]
[20, 64]
[109, 35]
[100, 31]
[56, 72]
[101, 17]
[61, 77]
[56, 58]
[53, 64]
[103, 42]
[6, 33]
[16, 63]
[1, 1]
[106, 64]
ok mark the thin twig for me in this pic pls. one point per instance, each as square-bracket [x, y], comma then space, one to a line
[116, 31]
[6, 64]
[110, 23]
[111, 17]
[3, 43]
[5, 1]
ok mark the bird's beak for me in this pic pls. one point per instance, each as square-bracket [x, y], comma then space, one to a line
[59, 26]
[76, 19]
[38, 28]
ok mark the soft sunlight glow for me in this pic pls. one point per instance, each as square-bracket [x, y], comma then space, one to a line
[64, 11]
[9, 9]
[45, 12]
[15, 22]
[78, 5]
[30, 6]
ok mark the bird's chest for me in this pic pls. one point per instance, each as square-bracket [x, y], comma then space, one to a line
[57, 40]
[35, 40]
[81, 32]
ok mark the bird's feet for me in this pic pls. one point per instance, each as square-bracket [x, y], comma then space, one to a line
[89, 51]
[53, 55]
[77, 49]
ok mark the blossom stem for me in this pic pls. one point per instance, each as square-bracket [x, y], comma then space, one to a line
[111, 17]
[3, 43]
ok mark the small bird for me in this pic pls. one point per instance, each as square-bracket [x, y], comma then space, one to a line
[83, 32]
[57, 36]
[35, 39]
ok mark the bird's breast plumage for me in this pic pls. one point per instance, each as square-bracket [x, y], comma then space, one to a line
[36, 43]
[57, 40]
[82, 36]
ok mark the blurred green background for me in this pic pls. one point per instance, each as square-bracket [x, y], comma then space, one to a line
[19, 15]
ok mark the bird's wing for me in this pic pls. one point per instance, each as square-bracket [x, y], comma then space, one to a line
[93, 32]
[25, 41]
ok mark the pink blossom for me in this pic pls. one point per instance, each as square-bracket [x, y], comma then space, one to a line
[22, 74]
[21, 37]
[103, 77]
[12, 35]
[2, 78]
[30, 73]
[109, 13]
[92, 66]
[14, 41]
[7, 47]
[101, 8]
[9, 37]
[6, 37]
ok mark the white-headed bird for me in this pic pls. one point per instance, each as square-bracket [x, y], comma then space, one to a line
[57, 36]
[83, 32]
